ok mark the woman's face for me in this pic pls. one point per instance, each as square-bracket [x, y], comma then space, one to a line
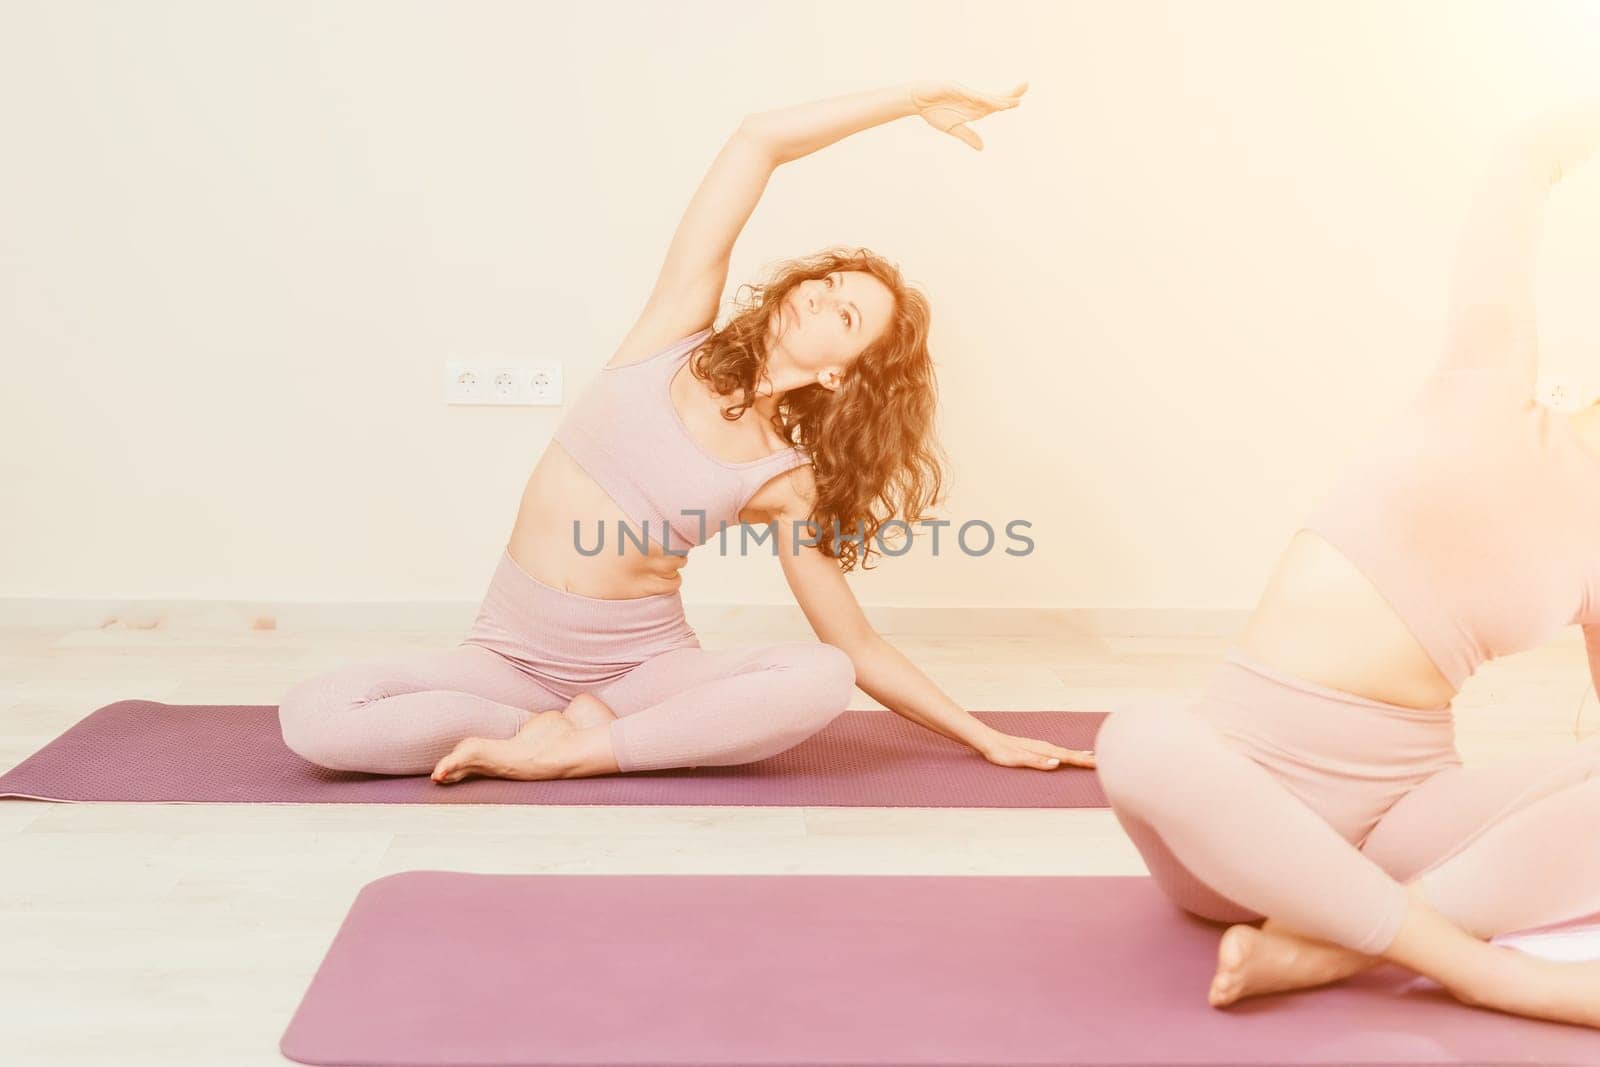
[826, 323]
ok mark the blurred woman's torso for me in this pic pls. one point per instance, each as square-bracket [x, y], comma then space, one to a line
[1322, 619]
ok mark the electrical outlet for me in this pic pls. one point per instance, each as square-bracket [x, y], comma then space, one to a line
[494, 382]
[1558, 393]
[545, 386]
[462, 384]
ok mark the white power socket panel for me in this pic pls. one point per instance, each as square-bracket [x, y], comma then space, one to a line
[496, 382]
[1559, 393]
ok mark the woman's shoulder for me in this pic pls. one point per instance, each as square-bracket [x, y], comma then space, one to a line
[789, 494]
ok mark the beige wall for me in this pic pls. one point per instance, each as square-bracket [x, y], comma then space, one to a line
[239, 241]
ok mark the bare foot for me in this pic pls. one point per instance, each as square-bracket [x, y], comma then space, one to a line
[1477, 973]
[538, 751]
[587, 709]
[1251, 962]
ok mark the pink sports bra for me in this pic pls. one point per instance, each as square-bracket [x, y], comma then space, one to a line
[1477, 516]
[625, 433]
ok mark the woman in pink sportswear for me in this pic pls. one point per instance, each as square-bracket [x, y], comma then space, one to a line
[808, 413]
[1315, 782]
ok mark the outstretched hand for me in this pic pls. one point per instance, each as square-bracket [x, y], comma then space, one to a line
[949, 106]
[1007, 750]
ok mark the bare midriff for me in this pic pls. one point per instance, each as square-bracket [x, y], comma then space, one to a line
[1322, 620]
[543, 541]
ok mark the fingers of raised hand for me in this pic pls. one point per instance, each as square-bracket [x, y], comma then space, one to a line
[987, 102]
[1011, 98]
[954, 122]
[966, 134]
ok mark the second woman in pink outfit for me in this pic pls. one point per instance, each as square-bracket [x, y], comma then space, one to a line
[1315, 783]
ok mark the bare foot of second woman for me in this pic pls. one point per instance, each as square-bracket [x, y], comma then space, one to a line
[1252, 962]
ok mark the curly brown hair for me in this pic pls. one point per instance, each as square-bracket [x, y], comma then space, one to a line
[871, 442]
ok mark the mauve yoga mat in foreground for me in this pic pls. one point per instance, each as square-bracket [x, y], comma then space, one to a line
[142, 750]
[470, 970]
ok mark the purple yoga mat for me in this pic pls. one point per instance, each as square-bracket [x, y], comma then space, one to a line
[435, 968]
[142, 750]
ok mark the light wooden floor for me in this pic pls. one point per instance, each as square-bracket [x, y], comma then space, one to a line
[186, 934]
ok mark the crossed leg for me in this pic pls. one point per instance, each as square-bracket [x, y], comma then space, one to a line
[1504, 847]
[695, 707]
[401, 713]
[689, 707]
[1229, 840]
[1492, 848]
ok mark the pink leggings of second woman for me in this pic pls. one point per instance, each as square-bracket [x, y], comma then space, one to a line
[1274, 796]
[533, 648]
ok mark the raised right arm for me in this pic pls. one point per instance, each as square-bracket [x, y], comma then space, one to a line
[1491, 317]
[689, 286]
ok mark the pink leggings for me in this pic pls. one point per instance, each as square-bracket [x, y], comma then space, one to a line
[1273, 796]
[533, 648]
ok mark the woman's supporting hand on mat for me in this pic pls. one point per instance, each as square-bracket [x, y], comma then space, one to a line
[949, 106]
[1008, 750]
